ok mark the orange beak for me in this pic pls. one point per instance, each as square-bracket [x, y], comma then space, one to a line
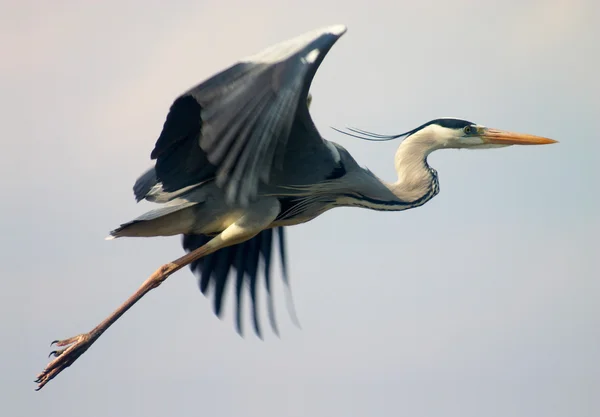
[503, 137]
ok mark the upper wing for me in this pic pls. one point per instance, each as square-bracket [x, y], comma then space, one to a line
[235, 126]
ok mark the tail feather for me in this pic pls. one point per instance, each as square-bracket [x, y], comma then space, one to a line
[156, 223]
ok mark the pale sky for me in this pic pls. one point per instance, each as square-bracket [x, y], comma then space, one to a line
[483, 302]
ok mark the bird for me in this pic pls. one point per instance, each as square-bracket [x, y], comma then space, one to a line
[239, 159]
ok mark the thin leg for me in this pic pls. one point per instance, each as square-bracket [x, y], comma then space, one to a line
[245, 228]
[76, 346]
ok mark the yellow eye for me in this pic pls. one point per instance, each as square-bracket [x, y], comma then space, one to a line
[468, 130]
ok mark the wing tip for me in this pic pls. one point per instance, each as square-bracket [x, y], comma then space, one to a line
[337, 30]
[285, 49]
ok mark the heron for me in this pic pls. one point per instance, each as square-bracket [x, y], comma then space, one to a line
[239, 159]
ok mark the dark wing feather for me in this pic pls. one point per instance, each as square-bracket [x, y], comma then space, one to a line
[265, 250]
[144, 184]
[239, 285]
[179, 160]
[235, 126]
[252, 269]
[245, 258]
[220, 273]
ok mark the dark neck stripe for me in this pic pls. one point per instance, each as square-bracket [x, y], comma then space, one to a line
[390, 205]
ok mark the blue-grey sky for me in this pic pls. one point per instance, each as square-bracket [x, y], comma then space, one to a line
[484, 302]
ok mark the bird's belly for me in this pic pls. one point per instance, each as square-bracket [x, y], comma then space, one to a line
[221, 222]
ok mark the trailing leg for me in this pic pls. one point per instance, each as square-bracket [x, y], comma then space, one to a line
[258, 216]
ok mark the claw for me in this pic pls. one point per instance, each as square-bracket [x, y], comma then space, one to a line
[63, 357]
[56, 353]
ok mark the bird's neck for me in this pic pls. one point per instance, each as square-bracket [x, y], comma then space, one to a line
[416, 184]
[417, 181]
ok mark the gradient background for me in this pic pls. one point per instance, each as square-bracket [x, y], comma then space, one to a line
[484, 302]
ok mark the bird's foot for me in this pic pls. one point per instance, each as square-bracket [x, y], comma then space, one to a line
[74, 347]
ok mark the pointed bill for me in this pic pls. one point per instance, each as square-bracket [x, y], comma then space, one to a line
[503, 137]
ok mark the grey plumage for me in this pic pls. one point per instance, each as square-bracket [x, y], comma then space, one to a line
[241, 119]
[245, 137]
[239, 159]
[243, 132]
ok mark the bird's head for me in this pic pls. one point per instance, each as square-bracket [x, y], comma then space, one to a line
[451, 133]
[462, 134]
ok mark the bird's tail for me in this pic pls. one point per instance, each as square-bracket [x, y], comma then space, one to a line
[174, 218]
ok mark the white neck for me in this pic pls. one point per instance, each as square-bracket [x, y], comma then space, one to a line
[416, 184]
[414, 175]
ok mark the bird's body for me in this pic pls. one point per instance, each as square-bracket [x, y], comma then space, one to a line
[203, 209]
[307, 174]
[240, 157]
[296, 194]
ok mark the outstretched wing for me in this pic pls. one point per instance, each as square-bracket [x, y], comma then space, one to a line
[243, 261]
[235, 126]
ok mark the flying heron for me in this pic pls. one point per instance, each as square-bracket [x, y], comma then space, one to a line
[239, 159]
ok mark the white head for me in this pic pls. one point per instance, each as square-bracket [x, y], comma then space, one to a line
[451, 133]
